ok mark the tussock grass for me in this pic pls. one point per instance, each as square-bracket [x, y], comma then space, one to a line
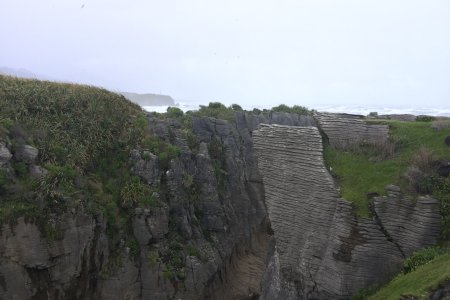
[76, 128]
[68, 123]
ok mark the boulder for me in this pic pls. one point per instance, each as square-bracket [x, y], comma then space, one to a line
[5, 155]
[38, 171]
[145, 165]
[442, 167]
[27, 154]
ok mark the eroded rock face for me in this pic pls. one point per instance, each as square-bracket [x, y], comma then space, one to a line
[5, 154]
[411, 224]
[145, 165]
[222, 218]
[33, 266]
[26, 153]
[344, 130]
[323, 250]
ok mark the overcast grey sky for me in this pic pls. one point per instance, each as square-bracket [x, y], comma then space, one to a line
[307, 52]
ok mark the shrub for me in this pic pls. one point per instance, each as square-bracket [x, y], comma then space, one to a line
[216, 110]
[416, 179]
[192, 251]
[173, 257]
[21, 169]
[192, 140]
[441, 190]
[3, 178]
[6, 122]
[236, 107]
[300, 110]
[153, 257]
[164, 150]
[135, 192]
[256, 111]
[440, 124]
[174, 112]
[423, 158]
[421, 257]
[425, 118]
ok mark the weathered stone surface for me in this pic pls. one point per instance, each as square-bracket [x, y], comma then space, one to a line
[38, 171]
[5, 154]
[26, 153]
[344, 130]
[40, 267]
[323, 250]
[151, 224]
[145, 165]
[411, 224]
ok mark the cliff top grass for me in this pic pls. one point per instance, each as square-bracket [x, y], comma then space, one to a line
[359, 172]
[83, 134]
[68, 123]
[418, 283]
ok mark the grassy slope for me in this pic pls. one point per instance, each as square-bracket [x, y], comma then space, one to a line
[357, 174]
[81, 132]
[417, 283]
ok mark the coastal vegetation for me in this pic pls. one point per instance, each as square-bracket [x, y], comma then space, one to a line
[409, 159]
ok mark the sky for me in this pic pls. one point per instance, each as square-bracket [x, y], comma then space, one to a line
[251, 52]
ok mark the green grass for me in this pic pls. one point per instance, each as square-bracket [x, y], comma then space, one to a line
[68, 123]
[358, 173]
[418, 283]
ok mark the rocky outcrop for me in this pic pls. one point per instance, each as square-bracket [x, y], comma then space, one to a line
[5, 154]
[145, 165]
[323, 250]
[344, 130]
[33, 266]
[411, 224]
[26, 153]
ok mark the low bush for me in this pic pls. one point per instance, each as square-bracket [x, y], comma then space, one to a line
[174, 112]
[440, 124]
[135, 192]
[216, 110]
[422, 257]
[423, 158]
[3, 178]
[296, 109]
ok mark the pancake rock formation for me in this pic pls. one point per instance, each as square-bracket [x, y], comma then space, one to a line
[323, 250]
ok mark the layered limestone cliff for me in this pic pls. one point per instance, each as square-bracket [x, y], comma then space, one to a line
[249, 212]
[209, 237]
[323, 250]
[343, 130]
